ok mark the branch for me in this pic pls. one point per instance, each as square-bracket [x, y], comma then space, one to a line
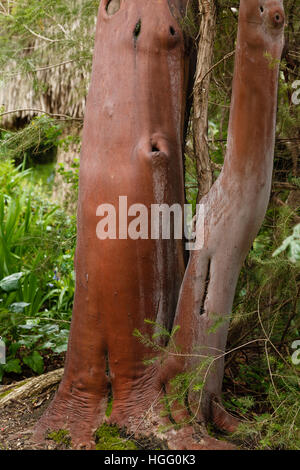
[41, 111]
[227, 56]
[283, 185]
[40, 36]
[40, 69]
[59, 25]
[279, 202]
[31, 387]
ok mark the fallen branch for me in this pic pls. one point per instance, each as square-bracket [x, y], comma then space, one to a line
[30, 387]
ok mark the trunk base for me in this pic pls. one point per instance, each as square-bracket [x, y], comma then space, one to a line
[79, 413]
[144, 416]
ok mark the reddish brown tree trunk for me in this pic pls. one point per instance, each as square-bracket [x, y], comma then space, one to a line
[236, 204]
[132, 146]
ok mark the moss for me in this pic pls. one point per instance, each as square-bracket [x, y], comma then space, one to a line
[61, 437]
[109, 407]
[4, 394]
[109, 438]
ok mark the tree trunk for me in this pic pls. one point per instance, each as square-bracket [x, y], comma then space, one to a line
[207, 33]
[234, 208]
[132, 146]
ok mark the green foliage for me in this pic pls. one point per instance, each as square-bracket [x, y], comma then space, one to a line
[36, 139]
[189, 386]
[37, 238]
[160, 340]
[261, 381]
[70, 177]
[36, 272]
[279, 428]
[164, 342]
[190, 21]
[265, 323]
[35, 362]
[64, 29]
[11, 284]
[292, 245]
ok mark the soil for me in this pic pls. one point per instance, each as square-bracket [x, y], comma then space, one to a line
[17, 421]
[19, 417]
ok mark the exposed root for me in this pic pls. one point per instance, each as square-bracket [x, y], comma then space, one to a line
[79, 413]
[222, 419]
[143, 413]
[170, 437]
[175, 431]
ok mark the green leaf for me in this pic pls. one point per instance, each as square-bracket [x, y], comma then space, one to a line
[18, 307]
[35, 362]
[30, 325]
[61, 348]
[29, 340]
[13, 348]
[198, 387]
[11, 283]
[48, 329]
[13, 365]
[292, 243]
[47, 345]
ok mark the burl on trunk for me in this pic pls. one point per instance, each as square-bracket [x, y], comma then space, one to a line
[134, 133]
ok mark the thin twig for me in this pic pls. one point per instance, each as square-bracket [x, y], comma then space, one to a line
[40, 69]
[41, 111]
[40, 36]
[227, 56]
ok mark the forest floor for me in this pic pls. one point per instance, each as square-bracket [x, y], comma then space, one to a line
[21, 412]
[17, 421]
[19, 417]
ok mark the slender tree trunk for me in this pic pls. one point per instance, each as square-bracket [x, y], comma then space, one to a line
[235, 206]
[207, 9]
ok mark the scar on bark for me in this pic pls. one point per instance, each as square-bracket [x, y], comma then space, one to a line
[207, 279]
[137, 29]
[112, 7]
